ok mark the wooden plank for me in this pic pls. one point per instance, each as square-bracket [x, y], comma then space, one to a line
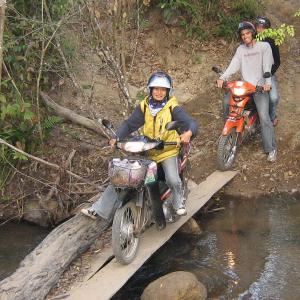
[104, 284]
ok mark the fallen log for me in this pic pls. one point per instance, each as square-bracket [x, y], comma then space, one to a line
[70, 115]
[42, 268]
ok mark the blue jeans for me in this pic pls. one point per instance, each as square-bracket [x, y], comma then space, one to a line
[108, 201]
[267, 129]
[274, 98]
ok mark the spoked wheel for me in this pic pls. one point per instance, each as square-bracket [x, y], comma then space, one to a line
[124, 241]
[250, 135]
[227, 147]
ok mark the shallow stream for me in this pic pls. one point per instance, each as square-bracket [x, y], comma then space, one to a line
[249, 250]
[16, 241]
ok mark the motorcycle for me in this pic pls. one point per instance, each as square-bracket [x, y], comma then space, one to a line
[137, 181]
[242, 121]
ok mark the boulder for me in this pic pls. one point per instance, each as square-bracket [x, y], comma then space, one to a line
[33, 213]
[175, 286]
[182, 95]
[190, 227]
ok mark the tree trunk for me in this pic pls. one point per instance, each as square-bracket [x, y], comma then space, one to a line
[72, 116]
[42, 268]
[2, 17]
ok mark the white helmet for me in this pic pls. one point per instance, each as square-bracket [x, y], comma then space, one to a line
[160, 79]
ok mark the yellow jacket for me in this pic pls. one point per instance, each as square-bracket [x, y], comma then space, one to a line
[154, 127]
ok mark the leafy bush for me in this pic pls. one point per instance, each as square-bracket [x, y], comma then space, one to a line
[240, 10]
[227, 27]
[23, 40]
[277, 34]
[204, 17]
[247, 9]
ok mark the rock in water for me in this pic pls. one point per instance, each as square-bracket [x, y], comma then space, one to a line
[190, 227]
[175, 286]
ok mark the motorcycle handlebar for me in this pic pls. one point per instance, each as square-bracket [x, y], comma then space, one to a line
[170, 143]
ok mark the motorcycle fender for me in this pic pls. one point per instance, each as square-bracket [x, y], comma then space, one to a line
[239, 125]
[140, 198]
[228, 127]
[124, 196]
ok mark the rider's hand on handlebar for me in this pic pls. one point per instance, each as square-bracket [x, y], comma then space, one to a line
[186, 136]
[112, 143]
[220, 83]
[266, 87]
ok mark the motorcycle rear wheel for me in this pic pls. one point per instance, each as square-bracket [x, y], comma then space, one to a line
[124, 242]
[226, 152]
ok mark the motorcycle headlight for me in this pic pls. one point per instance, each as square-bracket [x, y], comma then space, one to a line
[239, 91]
[134, 147]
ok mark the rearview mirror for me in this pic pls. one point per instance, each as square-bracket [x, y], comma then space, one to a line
[267, 75]
[217, 69]
[107, 124]
[173, 125]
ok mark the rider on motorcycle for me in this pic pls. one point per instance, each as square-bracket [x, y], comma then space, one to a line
[262, 23]
[152, 114]
[253, 59]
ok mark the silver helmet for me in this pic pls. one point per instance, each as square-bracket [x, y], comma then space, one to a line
[160, 79]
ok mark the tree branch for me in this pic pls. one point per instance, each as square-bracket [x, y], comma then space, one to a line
[54, 166]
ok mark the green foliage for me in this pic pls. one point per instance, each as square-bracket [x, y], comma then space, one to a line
[205, 17]
[277, 34]
[297, 13]
[227, 26]
[238, 11]
[175, 4]
[247, 9]
[24, 34]
[144, 23]
[49, 123]
[26, 30]
[192, 21]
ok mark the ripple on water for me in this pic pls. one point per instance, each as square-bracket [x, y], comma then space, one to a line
[251, 250]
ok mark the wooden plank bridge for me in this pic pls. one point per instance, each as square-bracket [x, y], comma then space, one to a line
[103, 284]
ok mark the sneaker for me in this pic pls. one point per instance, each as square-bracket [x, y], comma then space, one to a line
[181, 211]
[272, 156]
[161, 226]
[90, 213]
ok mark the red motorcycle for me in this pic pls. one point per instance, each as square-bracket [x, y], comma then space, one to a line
[242, 120]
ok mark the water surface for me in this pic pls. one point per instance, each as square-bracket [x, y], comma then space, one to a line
[16, 241]
[250, 250]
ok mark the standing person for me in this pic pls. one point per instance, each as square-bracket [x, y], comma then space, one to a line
[153, 113]
[253, 59]
[262, 23]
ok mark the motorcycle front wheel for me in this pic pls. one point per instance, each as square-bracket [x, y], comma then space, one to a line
[226, 152]
[124, 241]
